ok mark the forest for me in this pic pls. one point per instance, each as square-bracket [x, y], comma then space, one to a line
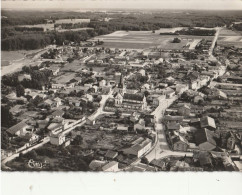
[15, 38]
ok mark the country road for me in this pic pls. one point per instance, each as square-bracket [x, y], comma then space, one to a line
[210, 52]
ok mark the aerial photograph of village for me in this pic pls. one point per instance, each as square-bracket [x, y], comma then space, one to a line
[121, 90]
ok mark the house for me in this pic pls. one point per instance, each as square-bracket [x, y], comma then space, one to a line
[57, 102]
[180, 88]
[169, 92]
[111, 154]
[54, 69]
[138, 149]
[205, 139]
[176, 119]
[142, 72]
[135, 116]
[42, 124]
[57, 113]
[208, 122]
[58, 86]
[19, 129]
[57, 139]
[49, 102]
[102, 83]
[173, 126]
[179, 143]
[122, 128]
[90, 121]
[89, 97]
[111, 167]
[184, 110]
[96, 165]
[140, 125]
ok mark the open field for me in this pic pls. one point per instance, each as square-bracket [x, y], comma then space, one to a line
[147, 39]
[8, 56]
[230, 38]
[77, 65]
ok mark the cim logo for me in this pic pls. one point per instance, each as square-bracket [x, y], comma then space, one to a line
[36, 164]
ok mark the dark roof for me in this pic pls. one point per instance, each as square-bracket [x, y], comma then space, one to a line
[173, 118]
[58, 113]
[204, 135]
[111, 154]
[137, 97]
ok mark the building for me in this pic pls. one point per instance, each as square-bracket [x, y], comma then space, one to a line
[111, 154]
[134, 101]
[19, 129]
[184, 110]
[96, 165]
[179, 143]
[180, 88]
[205, 139]
[57, 139]
[111, 167]
[138, 149]
[58, 114]
[57, 102]
[208, 122]
[102, 83]
[140, 125]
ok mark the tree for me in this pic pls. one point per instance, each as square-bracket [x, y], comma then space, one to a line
[146, 93]
[4, 139]
[7, 119]
[19, 90]
[117, 113]
[176, 40]
[77, 140]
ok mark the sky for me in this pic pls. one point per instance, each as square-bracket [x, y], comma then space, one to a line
[122, 4]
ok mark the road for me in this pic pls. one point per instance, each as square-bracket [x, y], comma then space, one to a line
[210, 52]
[161, 148]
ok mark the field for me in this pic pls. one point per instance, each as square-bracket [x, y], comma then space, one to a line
[77, 65]
[147, 39]
[230, 38]
[8, 56]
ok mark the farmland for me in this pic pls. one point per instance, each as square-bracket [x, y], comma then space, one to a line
[147, 39]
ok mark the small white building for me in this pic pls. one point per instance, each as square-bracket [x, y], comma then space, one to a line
[57, 139]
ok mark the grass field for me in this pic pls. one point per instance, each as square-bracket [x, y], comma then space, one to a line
[147, 39]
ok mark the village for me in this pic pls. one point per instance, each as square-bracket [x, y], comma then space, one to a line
[83, 106]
